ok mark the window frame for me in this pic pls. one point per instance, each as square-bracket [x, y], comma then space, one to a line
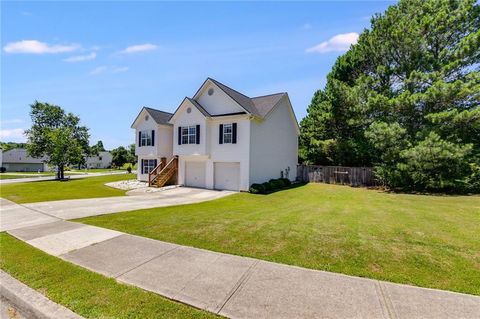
[146, 164]
[146, 138]
[225, 134]
[189, 134]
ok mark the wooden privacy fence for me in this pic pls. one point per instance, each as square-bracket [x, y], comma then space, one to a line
[354, 176]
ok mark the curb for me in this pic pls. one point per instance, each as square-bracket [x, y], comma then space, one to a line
[30, 301]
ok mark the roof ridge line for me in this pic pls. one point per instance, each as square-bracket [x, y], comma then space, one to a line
[256, 97]
[151, 108]
[217, 82]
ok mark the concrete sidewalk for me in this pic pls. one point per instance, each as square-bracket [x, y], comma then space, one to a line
[239, 287]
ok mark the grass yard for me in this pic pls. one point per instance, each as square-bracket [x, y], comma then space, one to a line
[95, 170]
[429, 241]
[87, 293]
[88, 187]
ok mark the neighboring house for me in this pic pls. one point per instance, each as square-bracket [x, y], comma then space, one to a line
[223, 139]
[17, 160]
[102, 160]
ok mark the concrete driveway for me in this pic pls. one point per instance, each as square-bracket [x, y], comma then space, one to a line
[78, 208]
[13, 216]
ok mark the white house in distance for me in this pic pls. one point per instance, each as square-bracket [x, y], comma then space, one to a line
[223, 139]
[17, 160]
[102, 160]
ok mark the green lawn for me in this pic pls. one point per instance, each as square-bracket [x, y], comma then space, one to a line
[429, 241]
[87, 293]
[95, 170]
[89, 187]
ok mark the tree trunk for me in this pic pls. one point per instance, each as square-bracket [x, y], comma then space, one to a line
[62, 176]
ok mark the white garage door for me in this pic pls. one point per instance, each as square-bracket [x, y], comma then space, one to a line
[195, 174]
[227, 176]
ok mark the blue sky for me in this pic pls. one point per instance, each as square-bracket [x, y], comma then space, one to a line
[103, 61]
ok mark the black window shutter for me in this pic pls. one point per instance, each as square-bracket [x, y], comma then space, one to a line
[142, 166]
[140, 139]
[234, 133]
[220, 134]
[154, 163]
[198, 134]
[179, 135]
[153, 137]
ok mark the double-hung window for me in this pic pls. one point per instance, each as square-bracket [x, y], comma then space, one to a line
[146, 138]
[189, 134]
[148, 165]
[227, 133]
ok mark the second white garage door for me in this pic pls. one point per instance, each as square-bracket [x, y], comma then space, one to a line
[227, 176]
[195, 174]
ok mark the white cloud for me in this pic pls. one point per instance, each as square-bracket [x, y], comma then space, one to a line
[98, 70]
[13, 135]
[139, 48]
[119, 69]
[81, 58]
[340, 42]
[26, 13]
[37, 47]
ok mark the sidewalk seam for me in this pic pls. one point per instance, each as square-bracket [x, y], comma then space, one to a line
[147, 261]
[39, 211]
[385, 301]
[237, 286]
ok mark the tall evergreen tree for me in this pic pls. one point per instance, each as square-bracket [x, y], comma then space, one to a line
[415, 71]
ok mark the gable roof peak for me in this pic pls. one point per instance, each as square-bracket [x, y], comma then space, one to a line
[244, 101]
[160, 117]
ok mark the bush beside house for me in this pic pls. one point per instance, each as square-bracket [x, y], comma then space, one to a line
[271, 186]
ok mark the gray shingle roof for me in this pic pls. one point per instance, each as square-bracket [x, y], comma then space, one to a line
[158, 116]
[258, 106]
[265, 103]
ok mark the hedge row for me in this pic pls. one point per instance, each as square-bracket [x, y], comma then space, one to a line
[270, 186]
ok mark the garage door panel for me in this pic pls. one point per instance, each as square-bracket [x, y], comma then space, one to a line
[195, 174]
[227, 176]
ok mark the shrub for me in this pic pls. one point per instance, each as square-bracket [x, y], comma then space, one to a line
[286, 182]
[277, 183]
[268, 186]
[129, 169]
[257, 189]
[3, 169]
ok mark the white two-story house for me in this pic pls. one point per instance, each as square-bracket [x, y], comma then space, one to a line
[224, 139]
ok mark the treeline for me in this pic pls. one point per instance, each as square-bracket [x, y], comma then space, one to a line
[405, 99]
